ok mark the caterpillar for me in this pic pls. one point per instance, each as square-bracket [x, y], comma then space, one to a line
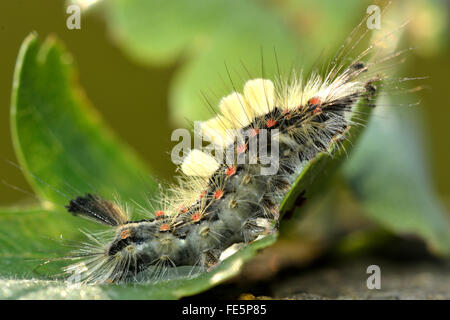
[220, 205]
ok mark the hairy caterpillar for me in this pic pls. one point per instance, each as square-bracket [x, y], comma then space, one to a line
[217, 205]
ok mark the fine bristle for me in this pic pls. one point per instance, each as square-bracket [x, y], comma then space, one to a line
[200, 164]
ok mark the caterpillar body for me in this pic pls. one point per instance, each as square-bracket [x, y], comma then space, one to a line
[220, 205]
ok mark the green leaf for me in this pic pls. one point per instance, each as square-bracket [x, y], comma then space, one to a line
[388, 176]
[28, 235]
[60, 141]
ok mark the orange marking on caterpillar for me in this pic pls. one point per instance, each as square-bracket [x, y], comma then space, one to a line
[254, 132]
[230, 171]
[159, 213]
[218, 194]
[196, 216]
[315, 101]
[270, 123]
[164, 227]
[125, 233]
[241, 148]
[203, 194]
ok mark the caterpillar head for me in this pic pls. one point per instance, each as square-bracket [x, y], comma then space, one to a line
[134, 247]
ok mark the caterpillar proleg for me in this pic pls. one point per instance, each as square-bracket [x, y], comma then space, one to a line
[221, 205]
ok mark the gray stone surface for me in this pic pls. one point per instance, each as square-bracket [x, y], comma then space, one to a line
[402, 279]
[347, 280]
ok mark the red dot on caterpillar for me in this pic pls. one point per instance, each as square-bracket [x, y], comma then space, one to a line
[270, 123]
[241, 148]
[230, 171]
[315, 101]
[125, 234]
[159, 213]
[203, 194]
[254, 132]
[183, 209]
[196, 216]
[218, 194]
[164, 227]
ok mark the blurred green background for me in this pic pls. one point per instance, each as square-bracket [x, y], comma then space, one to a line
[134, 96]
